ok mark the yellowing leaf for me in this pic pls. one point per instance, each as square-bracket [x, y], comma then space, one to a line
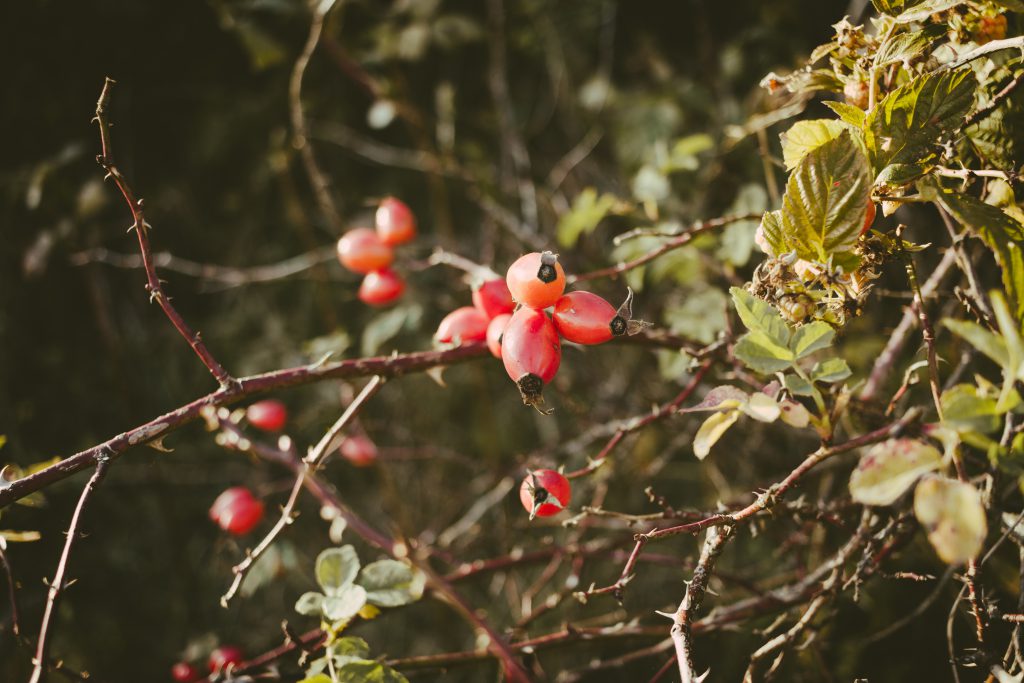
[711, 431]
[954, 517]
[888, 469]
[805, 136]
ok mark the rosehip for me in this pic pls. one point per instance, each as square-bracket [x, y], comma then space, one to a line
[381, 287]
[224, 656]
[536, 280]
[495, 331]
[544, 493]
[269, 415]
[359, 450]
[183, 672]
[237, 511]
[492, 298]
[395, 222]
[361, 251]
[586, 318]
[869, 217]
[531, 352]
[465, 323]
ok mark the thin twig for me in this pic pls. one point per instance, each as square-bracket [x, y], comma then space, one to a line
[15, 624]
[316, 455]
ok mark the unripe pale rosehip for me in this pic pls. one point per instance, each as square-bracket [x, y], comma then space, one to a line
[237, 511]
[531, 352]
[224, 656]
[465, 324]
[359, 450]
[536, 279]
[395, 222]
[495, 331]
[268, 415]
[492, 298]
[362, 251]
[586, 318]
[544, 493]
[183, 672]
[381, 287]
[869, 217]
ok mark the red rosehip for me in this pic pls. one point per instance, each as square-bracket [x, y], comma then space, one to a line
[269, 415]
[495, 331]
[381, 287]
[362, 251]
[492, 298]
[531, 352]
[586, 318]
[359, 450]
[237, 511]
[869, 217]
[395, 222]
[536, 280]
[544, 493]
[465, 324]
[224, 656]
[183, 672]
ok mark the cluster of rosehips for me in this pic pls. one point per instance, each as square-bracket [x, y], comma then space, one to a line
[370, 252]
[220, 659]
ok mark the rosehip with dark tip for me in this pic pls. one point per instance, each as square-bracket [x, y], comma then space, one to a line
[361, 250]
[492, 298]
[465, 324]
[381, 287]
[536, 279]
[586, 318]
[531, 353]
[395, 222]
[544, 493]
[268, 415]
[495, 331]
[237, 511]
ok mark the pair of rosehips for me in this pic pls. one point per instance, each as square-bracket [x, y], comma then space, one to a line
[370, 252]
[220, 659]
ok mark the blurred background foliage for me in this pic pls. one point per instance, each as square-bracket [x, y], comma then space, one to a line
[622, 114]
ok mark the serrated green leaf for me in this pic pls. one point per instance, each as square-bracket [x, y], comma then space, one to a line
[831, 370]
[390, 583]
[337, 568]
[588, 210]
[954, 517]
[805, 136]
[759, 352]
[903, 47]
[712, 430]
[897, 175]
[774, 232]
[888, 469]
[853, 115]
[825, 201]
[999, 136]
[810, 338]
[920, 11]
[906, 125]
[760, 316]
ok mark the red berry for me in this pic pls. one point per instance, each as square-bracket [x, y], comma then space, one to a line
[544, 493]
[269, 415]
[359, 450]
[224, 656]
[465, 323]
[495, 331]
[536, 280]
[869, 217]
[361, 251]
[381, 287]
[531, 352]
[237, 511]
[492, 298]
[395, 222]
[183, 672]
[586, 318]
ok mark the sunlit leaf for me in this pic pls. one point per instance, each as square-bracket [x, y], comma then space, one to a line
[712, 430]
[888, 469]
[953, 516]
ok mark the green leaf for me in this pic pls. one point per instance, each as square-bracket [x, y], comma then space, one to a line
[810, 338]
[588, 210]
[906, 125]
[318, 678]
[964, 409]
[888, 469]
[390, 583]
[831, 370]
[350, 646]
[921, 11]
[999, 137]
[903, 47]
[701, 316]
[774, 231]
[805, 136]
[954, 517]
[759, 316]
[344, 604]
[712, 430]
[853, 115]
[384, 327]
[798, 386]
[336, 568]
[759, 352]
[310, 604]
[825, 201]
[991, 345]
[368, 671]
[898, 175]
[1003, 235]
